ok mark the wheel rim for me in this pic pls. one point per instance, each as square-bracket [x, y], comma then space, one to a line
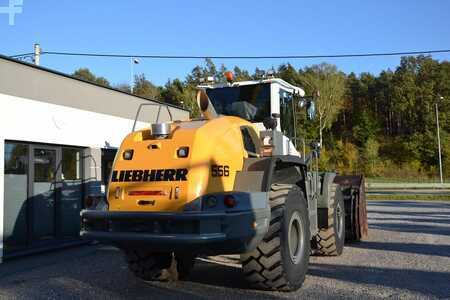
[340, 220]
[295, 233]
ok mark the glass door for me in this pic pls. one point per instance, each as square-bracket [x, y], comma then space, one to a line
[43, 192]
[70, 199]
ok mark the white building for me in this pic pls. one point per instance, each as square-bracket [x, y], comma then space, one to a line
[58, 136]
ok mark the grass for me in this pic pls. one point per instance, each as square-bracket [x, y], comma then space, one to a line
[409, 197]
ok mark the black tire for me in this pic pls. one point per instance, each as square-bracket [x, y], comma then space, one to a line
[148, 265]
[330, 240]
[274, 264]
[151, 266]
[185, 264]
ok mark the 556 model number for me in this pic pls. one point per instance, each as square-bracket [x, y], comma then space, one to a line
[220, 171]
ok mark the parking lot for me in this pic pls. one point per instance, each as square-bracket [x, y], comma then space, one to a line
[406, 256]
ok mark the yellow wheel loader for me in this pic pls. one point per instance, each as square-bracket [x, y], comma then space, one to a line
[231, 182]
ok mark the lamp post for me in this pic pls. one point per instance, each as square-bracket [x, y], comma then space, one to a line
[133, 61]
[439, 140]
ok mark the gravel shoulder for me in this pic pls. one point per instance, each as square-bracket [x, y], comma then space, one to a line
[406, 256]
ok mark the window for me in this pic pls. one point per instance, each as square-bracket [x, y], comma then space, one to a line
[287, 114]
[250, 141]
[16, 159]
[108, 156]
[44, 166]
[71, 164]
[250, 102]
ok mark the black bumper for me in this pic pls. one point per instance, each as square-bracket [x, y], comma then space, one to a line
[199, 232]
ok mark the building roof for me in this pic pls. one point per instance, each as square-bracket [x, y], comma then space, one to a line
[44, 69]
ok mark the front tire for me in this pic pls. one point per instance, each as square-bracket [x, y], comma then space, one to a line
[330, 240]
[281, 259]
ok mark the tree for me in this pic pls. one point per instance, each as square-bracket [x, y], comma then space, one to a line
[288, 73]
[125, 87]
[178, 93]
[241, 75]
[144, 88]
[199, 73]
[364, 128]
[331, 84]
[86, 74]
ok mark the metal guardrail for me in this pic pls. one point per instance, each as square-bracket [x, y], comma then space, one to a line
[406, 186]
[408, 189]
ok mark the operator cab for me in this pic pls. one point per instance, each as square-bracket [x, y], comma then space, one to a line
[258, 100]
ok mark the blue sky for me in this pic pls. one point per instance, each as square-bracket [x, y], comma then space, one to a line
[223, 28]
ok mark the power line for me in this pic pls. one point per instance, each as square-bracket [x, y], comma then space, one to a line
[353, 55]
[23, 54]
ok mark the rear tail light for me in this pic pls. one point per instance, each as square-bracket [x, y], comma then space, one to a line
[229, 201]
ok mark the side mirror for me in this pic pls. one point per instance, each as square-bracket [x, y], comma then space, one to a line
[310, 110]
[308, 103]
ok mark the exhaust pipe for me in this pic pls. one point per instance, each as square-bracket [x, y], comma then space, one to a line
[205, 105]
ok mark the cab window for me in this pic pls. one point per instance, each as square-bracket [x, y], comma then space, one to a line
[250, 141]
[287, 113]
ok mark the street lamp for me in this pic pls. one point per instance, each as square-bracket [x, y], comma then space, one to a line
[133, 61]
[439, 139]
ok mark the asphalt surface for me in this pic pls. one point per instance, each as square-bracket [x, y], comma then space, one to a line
[406, 256]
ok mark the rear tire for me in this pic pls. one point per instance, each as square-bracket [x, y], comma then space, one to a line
[330, 240]
[151, 266]
[185, 264]
[281, 259]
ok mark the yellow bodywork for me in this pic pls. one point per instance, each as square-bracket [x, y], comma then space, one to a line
[216, 142]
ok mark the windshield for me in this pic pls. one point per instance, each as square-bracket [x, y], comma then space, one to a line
[250, 102]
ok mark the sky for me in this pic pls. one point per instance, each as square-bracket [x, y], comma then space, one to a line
[221, 28]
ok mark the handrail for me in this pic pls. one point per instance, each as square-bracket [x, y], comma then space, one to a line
[157, 116]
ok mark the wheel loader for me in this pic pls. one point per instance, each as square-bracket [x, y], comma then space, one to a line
[230, 182]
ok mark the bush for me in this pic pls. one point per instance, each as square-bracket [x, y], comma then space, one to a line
[343, 158]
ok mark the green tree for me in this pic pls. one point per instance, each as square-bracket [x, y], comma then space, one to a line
[144, 88]
[125, 87]
[365, 127]
[86, 74]
[241, 75]
[331, 84]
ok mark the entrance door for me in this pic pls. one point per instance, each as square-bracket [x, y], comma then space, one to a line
[43, 192]
[70, 198]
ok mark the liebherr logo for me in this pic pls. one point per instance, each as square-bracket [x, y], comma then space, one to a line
[14, 7]
[149, 175]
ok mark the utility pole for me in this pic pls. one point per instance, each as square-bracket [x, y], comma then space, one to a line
[439, 141]
[37, 54]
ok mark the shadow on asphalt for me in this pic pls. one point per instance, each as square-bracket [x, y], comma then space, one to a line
[415, 248]
[101, 271]
[430, 283]
[399, 220]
